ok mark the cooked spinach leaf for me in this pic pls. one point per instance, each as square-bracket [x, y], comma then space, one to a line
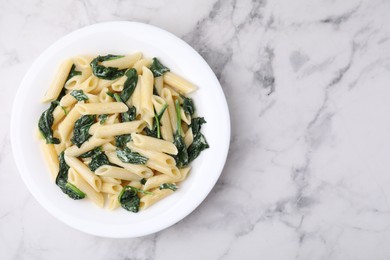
[157, 68]
[143, 181]
[198, 145]
[128, 198]
[199, 142]
[45, 124]
[79, 95]
[127, 156]
[151, 132]
[130, 115]
[196, 124]
[81, 128]
[98, 159]
[170, 186]
[62, 180]
[129, 85]
[73, 72]
[182, 156]
[102, 118]
[122, 140]
[91, 153]
[188, 106]
[102, 72]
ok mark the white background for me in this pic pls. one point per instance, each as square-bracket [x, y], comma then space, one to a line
[308, 86]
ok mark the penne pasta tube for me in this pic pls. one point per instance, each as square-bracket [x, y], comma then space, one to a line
[154, 144]
[142, 63]
[167, 96]
[103, 97]
[67, 100]
[111, 188]
[166, 128]
[120, 129]
[159, 84]
[51, 157]
[124, 62]
[117, 172]
[82, 62]
[84, 172]
[76, 179]
[118, 84]
[58, 115]
[59, 81]
[154, 155]
[110, 180]
[66, 126]
[89, 145]
[141, 170]
[89, 84]
[101, 108]
[188, 137]
[158, 161]
[112, 201]
[148, 200]
[146, 96]
[179, 83]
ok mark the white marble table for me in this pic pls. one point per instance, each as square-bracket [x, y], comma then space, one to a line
[308, 86]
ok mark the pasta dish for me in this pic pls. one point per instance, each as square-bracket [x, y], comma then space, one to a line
[120, 131]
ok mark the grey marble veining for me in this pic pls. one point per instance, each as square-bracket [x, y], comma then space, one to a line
[308, 171]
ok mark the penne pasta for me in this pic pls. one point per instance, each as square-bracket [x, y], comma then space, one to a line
[179, 83]
[124, 62]
[76, 179]
[152, 129]
[59, 81]
[119, 129]
[142, 63]
[153, 144]
[157, 195]
[89, 145]
[84, 172]
[117, 172]
[101, 108]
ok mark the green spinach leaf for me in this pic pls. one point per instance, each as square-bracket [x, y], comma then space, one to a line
[130, 115]
[91, 153]
[198, 145]
[157, 68]
[98, 159]
[128, 198]
[102, 118]
[45, 124]
[122, 140]
[129, 85]
[127, 156]
[182, 156]
[188, 106]
[81, 128]
[196, 124]
[73, 72]
[170, 186]
[62, 180]
[79, 95]
[108, 73]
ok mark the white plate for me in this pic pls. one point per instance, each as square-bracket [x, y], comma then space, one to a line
[121, 38]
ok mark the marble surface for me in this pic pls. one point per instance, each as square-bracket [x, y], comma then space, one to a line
[308, 87]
